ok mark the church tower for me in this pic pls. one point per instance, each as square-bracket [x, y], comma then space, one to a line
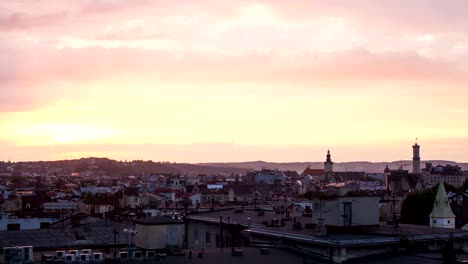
[328, 164]
[416, 159]
[442, 214]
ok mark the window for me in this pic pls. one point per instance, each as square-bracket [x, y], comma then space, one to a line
[448, 221]
[11, 227]
[207, 238]
[196, 234]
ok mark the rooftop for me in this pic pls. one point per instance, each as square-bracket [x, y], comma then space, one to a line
[250, 256]
[383, 233]
[159, 220]
[92, 231]
[280, 256]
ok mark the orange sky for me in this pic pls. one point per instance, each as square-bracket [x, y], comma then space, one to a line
[234, 80]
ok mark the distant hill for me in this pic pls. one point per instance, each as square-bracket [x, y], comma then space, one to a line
[140, 167]
[118, 168]
[338, 166]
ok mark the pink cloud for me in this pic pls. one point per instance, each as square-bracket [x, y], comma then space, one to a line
[235, 53]
[112, 6]
[85, 64]
[23, 21]
[134, 33]
[417, 15]
[79, 64]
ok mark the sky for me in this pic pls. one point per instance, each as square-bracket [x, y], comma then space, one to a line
[233, 80]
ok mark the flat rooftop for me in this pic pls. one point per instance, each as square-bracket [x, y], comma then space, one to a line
[358, 236]
[281, 256]
[250, 256]
[92, 232]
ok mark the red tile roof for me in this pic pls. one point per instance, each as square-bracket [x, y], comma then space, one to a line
[312, 172]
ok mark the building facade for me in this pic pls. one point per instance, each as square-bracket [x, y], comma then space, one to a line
[159, 232]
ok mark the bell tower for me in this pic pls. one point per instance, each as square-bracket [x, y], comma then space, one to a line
[328, 164]
[416, 158]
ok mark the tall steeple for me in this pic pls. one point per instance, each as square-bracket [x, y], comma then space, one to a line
[328, 164]
[442, 214]
[416, 158]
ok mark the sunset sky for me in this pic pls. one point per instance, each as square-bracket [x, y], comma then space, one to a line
[233, 80]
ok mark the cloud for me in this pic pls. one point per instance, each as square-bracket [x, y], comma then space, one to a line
[81, 64]
[54, 73]
[417, 15]
[18, 103]
[228, 42]
[133, 32]
[24, 21]
[111, 6]
[129, 36]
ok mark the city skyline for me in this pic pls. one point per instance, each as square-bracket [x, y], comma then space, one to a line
[212, 81]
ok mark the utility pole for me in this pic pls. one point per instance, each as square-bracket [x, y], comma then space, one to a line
[395, 221]
[221, 232]
[115, 241]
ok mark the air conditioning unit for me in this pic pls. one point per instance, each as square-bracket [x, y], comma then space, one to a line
[150, 254]
[47, 258]
[87, 251]
[123, 255]
[98, 257]
[6, 251]
[12, 254]
[84, 257]
[137, 255]
[28, 254]
[17, 254]
[60, 254]
[69, 258]
[6, 254]
[74, 252]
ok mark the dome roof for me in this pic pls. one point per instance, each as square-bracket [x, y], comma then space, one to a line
[307, 179]
[298, 183]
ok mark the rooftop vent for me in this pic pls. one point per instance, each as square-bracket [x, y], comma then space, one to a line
[297, 226]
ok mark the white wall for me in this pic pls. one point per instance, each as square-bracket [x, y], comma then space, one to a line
[159, 236]
[365, 210]
[443, 222]
[25, 223]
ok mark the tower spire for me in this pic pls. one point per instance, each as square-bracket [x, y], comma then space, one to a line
[328, 163]
[416, 158]
[442, 214]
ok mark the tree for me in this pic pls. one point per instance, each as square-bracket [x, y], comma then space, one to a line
[417, 206]
[465, 185]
